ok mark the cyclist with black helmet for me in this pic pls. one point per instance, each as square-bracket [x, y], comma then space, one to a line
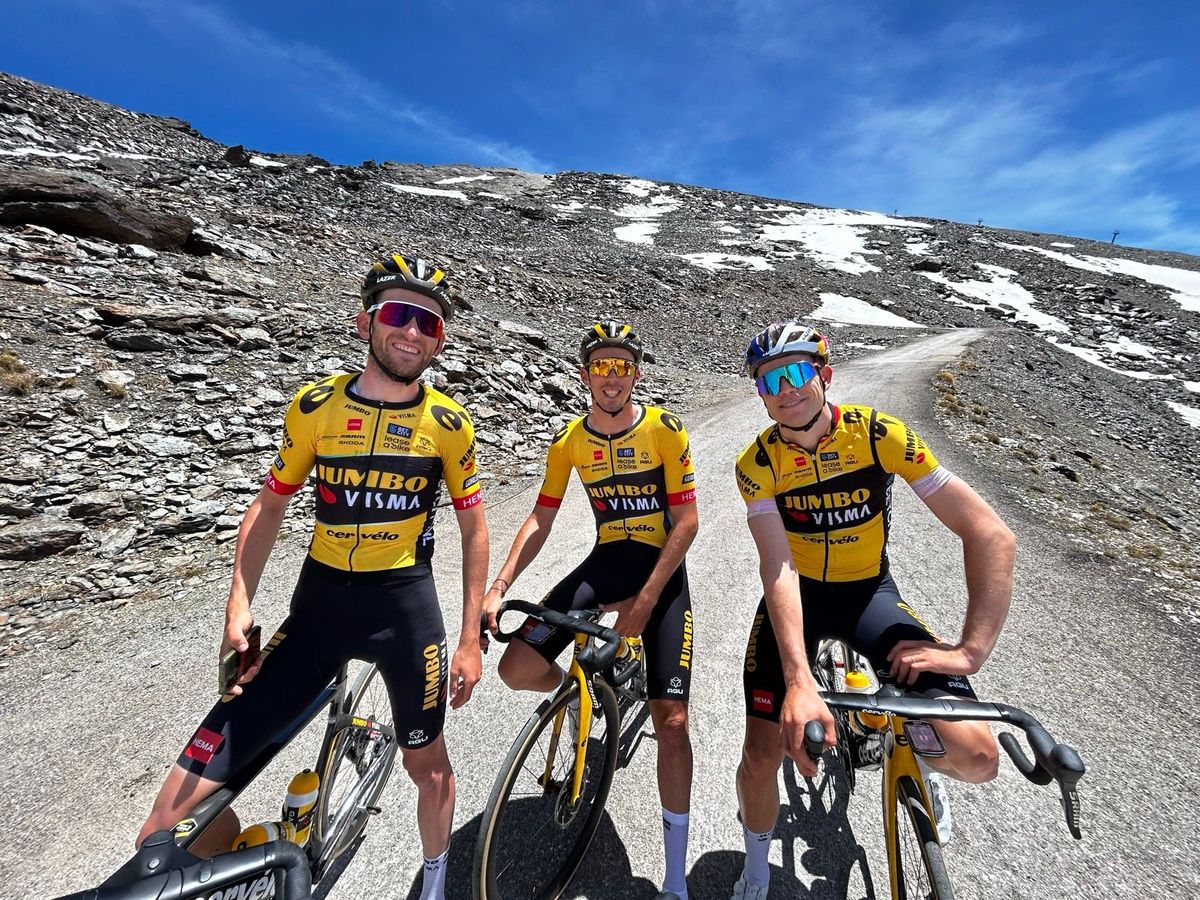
[817, 486]
[635, 464]
[381, 444]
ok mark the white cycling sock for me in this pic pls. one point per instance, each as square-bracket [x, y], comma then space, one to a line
[675, 837]
[433, 882]
[757, 870]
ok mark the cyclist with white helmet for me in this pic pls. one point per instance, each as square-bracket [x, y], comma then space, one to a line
[817, 485]
[635, 464]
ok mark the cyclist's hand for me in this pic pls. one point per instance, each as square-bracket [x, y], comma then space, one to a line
[465, 671]
[237, 626]
[491, 605]
[910, 658]
[632, 615]
[801, 705]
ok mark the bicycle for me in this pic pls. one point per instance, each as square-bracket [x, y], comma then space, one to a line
[551, 790]
[354, 763]
[916, 867]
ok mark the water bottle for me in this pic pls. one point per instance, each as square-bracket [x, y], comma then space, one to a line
[262, 833]
[300, 804]
[858, 682]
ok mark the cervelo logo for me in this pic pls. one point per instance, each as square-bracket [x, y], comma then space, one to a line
[260, 888]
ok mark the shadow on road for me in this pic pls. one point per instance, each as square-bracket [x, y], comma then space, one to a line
[816, 840]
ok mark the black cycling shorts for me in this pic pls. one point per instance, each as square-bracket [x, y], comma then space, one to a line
[868, 615]
[614, 572]
[389, 618]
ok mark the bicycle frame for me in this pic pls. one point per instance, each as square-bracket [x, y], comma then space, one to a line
[580, 677]
[207, 810]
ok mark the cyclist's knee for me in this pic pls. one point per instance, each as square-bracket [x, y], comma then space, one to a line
[670, 723]
[972, 754]
[429, 768]
[762, 754]
[522, 668]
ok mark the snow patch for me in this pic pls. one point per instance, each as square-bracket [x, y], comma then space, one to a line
[715, 261]
[1002, 293]
[836, 308]
[832, 236]
[427, 191]
[1190, 414]
[462, 179]
[263, 163]
[637, 233]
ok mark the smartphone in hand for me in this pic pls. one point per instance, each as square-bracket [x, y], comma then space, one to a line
[235, 664]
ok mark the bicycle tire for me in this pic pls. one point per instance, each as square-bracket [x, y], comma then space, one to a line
[356, 771]
[828, 678]
[516, 856]
[921, 866]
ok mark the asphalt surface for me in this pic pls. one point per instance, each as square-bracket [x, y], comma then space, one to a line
[88, 731]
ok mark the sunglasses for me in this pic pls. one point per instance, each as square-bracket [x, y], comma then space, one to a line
[610, 366]
[798, 374]
[397, 314]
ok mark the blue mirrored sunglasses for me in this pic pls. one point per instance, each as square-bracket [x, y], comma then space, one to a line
[798, 375]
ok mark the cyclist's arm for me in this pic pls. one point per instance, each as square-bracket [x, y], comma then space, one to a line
[989, 549]
[530, 539]
[256, 538]
[467, 665]
[781, 587]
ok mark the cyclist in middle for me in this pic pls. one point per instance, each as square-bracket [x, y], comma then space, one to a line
[636, 465]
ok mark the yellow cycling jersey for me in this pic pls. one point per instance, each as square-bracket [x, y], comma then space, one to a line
[631, 479]
[379, 469]
[836, 502]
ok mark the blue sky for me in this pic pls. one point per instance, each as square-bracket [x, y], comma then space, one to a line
[1076, 118]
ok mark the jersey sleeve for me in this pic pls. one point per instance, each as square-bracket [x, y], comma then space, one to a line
[459, 466]
[755, 480]
[679, 473]
[558, 469]
[900, 449]
[298, 447]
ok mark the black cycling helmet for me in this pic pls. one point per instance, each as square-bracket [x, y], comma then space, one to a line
[783, 338]
[412, 274]
[610, 334]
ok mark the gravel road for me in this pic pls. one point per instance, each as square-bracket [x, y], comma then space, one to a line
[88, 730]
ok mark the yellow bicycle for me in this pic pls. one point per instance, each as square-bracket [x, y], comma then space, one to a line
[549, 796]
[904, 723]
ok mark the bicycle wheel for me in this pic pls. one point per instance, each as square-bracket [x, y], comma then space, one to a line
[829, 671]
[356, 770]
[531, 840]
[917, 853]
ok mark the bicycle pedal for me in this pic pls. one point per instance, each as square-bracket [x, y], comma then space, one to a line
[373, 810]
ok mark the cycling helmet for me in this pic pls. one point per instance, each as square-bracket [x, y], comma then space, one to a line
[412, 274]
[610, 334]
[782, 338]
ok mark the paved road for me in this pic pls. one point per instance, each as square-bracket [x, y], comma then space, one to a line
[88, 733]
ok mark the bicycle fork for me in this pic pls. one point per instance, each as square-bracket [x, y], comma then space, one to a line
[577, 674]
[899, 762]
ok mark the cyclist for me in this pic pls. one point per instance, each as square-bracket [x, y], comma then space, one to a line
[381, 443]
[817, 486]
[635, 464]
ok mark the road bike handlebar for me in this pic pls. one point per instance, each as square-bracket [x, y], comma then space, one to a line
[159, 871]
[597, 658]
[1052, 760]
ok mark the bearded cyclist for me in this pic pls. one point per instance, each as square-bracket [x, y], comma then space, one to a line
[635, 464]
[817, 486]
[382, 443]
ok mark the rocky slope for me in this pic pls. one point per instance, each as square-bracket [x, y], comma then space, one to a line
[162, 296]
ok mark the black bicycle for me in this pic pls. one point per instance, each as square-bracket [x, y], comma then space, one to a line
[355, 760]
